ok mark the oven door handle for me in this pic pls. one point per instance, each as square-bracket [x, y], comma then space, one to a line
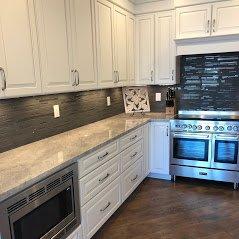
[191, 136]
[219, 137]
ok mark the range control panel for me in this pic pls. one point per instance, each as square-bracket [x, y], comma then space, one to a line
[205, 126]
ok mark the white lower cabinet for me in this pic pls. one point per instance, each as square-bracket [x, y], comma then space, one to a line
[159, 150]
[77, 234]
[96, 212]
[131, 178]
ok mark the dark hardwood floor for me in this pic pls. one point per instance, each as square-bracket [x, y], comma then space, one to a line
[188, 209]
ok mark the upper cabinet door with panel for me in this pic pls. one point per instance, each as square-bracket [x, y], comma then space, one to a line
[165, 51]
[145, 49]
[84, 47]
[225, 18]
[19, 63]
[131, 48]
[105, 43]
[193, 21]
[55, 42]
[120, 40]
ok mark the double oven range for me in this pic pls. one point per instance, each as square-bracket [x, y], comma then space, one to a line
[205, 149]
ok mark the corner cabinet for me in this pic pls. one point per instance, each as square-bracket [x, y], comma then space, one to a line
[159, 150]
[19, 59]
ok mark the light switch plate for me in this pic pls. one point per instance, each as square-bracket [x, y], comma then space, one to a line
[56, 109]
[108, 101]
[158, 96]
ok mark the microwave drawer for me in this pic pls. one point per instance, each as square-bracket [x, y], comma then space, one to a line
[98, 210]
[204, 173]
[131, 179]
[96, 181]
[130, 138]
[96, 159]
[130, 155]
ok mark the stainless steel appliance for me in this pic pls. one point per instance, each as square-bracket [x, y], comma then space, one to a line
[49, 209]
[206, 149]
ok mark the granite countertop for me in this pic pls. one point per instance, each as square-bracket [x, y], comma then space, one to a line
[26, 165]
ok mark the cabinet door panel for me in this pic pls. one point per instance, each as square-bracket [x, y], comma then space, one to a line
[120, 30]
[145, 49]
[18, 49]
[105, 41]
[54, 28]
[84, 48]
[165, 49]
[131, 49]
[194, 21]
[225, 18]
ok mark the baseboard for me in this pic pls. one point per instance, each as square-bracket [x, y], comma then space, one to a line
[160, 176]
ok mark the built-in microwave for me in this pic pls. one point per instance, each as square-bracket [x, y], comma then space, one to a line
[49, 209]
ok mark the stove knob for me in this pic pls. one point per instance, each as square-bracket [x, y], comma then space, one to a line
[194, 127]
[235, 128]
[215, 128]
[190, 126]
[184, 126]
[229, 128]
[207, 127]
[221, 128]
[200, 127]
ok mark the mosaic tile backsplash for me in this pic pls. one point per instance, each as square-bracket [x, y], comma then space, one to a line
[209, 82]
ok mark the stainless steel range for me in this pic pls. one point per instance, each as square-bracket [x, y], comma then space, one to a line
[205, 149]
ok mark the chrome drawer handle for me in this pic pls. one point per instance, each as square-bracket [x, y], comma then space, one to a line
[103, 156]
[132, 156]
[203, 173]
[132, 180]
[133, 138]
[4, 85]
[104, 208]
[104, 178]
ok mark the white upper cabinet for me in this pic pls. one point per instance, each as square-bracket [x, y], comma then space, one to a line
[131, 49]
[165, 49]
[84, 45]
[145, 49]
[193, 21]
[225, 18]
[55, 43]
[120, 41]
[19, 65]
[105, 43]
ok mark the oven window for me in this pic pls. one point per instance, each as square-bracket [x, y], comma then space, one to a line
[190, 149]
[38, 222]
[226, 151]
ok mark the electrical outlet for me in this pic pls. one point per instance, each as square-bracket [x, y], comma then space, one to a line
[56, 111]
[158, 96]
[108, 101]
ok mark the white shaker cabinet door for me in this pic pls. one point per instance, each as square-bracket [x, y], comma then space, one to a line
[131, 48]
[165, 52]
[193, 21]
[225, 19]
[104, 12]
[145, 49]
[120, 40]
[55, 43]
[19, 74]
[160, 148]
[84, 47]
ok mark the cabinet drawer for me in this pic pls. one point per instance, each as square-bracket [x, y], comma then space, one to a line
[130, 155]
[96, 159]
[97, 211]
[130, 138]
[97, 180]
[131, 178]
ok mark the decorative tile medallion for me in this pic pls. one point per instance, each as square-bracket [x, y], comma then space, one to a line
[136, 99]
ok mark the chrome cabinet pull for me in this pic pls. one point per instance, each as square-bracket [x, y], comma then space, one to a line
[133, 138]
[132, 180]
[208, 26]
[172, 75]
[103, 156]
[115, 76]
[203, 173]
[77, 77]
[4, 80]
[104, 178]
[132, 156]
[74, 78]
[214, 25]
[152, 76]
[104, 208]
